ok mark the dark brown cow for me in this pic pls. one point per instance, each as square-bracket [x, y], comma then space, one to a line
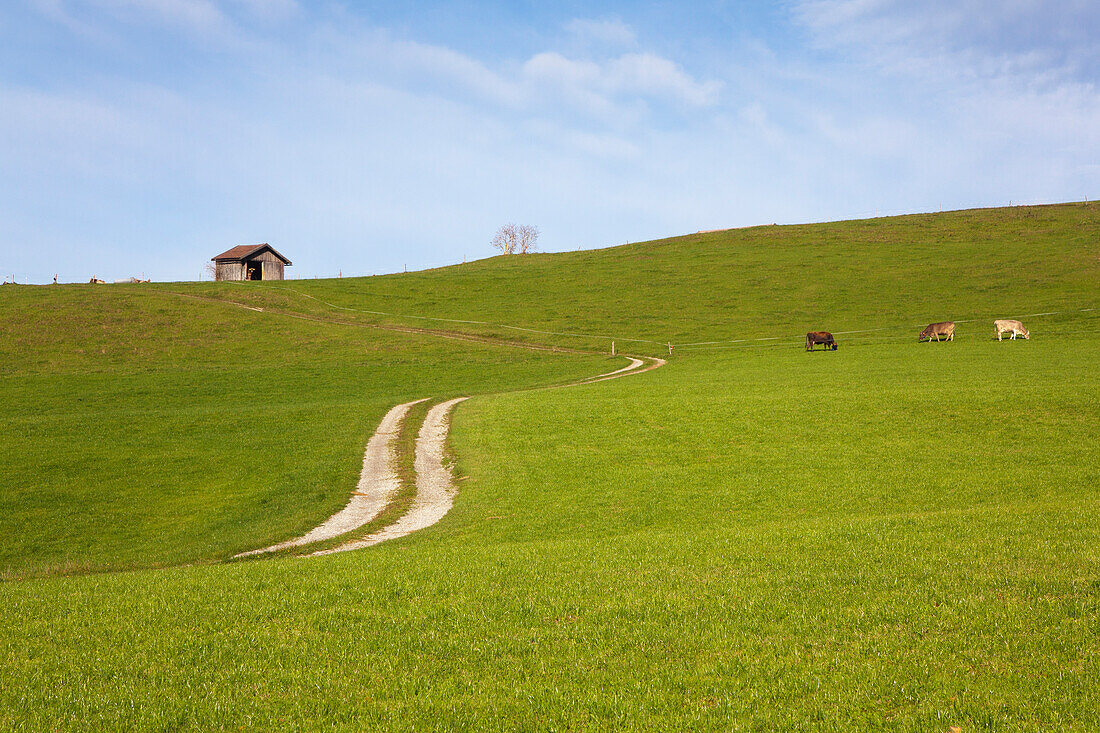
[820, 337]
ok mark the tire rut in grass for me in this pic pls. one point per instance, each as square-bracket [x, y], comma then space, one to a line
[401, 501]
[435, 489]
[419, 486]
[379, 483]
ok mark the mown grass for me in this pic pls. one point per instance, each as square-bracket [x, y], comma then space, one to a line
[893, 536]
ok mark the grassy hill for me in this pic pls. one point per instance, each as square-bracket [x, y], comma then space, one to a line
[891, 536]
[142, 428]
[893, 273]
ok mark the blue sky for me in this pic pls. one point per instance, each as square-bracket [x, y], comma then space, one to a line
[145, 136]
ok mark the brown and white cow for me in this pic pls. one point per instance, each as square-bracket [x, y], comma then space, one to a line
[945, 329]
[820, 337]
[1015, 327]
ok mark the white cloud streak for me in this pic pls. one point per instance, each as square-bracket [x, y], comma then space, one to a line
[610, 32]
[619, 88]
[202, 16]
[972, 36]
[632, 74]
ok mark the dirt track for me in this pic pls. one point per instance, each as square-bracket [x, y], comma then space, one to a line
[378, 481]
[435, 489]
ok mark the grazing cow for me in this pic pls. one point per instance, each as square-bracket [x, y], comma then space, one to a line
[1005, 326]
[945, 329]
[820, 337]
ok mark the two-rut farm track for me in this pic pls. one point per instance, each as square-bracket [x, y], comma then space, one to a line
[379, 482]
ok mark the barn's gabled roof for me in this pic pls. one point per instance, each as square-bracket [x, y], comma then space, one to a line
[248, 251]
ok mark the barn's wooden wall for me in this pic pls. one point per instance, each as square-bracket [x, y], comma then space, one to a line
[229, 271]
[273, 270]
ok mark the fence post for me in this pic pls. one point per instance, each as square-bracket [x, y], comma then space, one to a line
[670, 348]
[613, 348]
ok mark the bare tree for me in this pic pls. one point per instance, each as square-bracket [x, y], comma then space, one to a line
[211, 269]
[505, 239]
[511, 239]
[528, 237]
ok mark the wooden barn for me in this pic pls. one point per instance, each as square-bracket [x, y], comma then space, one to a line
[250, 262]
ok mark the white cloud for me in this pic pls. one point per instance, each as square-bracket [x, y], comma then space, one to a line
[454, 67]
[607, 32]
[639, 74]
[202, 16]
[649, 74]
[1007, 37]
[988, 98]
[616, 90]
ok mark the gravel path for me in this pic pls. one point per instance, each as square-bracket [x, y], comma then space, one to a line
[378, 481]
[435, 489]
[631, 368]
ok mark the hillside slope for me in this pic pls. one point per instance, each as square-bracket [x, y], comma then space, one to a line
[891, 536]
[140, 428]
[891, 273]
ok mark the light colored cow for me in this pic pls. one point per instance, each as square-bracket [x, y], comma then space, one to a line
[1015, 327]
[935, 330]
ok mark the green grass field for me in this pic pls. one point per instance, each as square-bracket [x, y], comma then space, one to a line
[146, 429]
[894, 536]
[897, 273]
